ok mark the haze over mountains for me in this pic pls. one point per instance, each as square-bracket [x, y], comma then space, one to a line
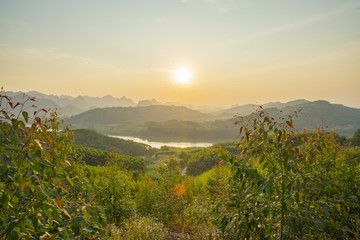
[152, 119]
[68, 105]
[247, 109]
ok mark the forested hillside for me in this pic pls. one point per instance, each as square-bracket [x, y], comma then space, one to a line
[247, 109]
[170, 123]
[336, 117]
[135, 115]
[93, 139]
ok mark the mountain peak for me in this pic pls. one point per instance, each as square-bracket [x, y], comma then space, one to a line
[148, 102]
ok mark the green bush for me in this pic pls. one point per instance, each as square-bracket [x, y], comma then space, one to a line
[170, 193]
[282, 188]
[92, 156]
[202, 161]
[113, 189]
[94, 139]
[355, 139]
[42, 192]
[145, 196]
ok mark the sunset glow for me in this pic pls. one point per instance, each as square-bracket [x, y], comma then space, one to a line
[182, 75]
[239, 51]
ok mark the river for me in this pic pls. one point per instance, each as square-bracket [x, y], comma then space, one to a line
[160, 144]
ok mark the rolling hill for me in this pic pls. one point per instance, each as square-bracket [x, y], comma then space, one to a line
[121, 116]
[247, 109]
[93, 139]
[134, 115]
[183, 124]
[335, 117]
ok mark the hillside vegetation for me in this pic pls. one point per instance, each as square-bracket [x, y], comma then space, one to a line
[94, 139]
[247, 109]
[275, 183]
[170, 123]
[132, 115]
[335, 117]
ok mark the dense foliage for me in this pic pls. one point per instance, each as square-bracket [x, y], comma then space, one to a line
[284, 188]
[112, 189]
[202, 161]
[93, 139]
[355, 139]
[96, 157]
[42, 191]
[92, 156]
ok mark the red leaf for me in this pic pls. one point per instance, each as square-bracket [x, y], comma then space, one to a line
[58, 202]
[23, 184]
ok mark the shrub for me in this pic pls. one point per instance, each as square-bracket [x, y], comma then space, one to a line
[113, 189]
[202, 161]
[42, 193]
[169, 202]
[285, 188]
[145, 196]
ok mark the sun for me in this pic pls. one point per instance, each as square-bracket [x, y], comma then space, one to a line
[182, 75]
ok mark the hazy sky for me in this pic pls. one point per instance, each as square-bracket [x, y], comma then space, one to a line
[239, 51]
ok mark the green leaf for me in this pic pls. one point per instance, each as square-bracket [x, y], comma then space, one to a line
[268, 189]
[14, 235]
[43, 191]
[4, 201]
[26, 116]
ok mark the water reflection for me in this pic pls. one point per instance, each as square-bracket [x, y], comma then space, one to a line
[160, 144]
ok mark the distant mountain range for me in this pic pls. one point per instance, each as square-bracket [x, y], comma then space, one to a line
[68, 106]
[335, 117]
[247, 109]
[123, 115]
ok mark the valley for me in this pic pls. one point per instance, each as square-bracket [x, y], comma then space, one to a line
[171, 187]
